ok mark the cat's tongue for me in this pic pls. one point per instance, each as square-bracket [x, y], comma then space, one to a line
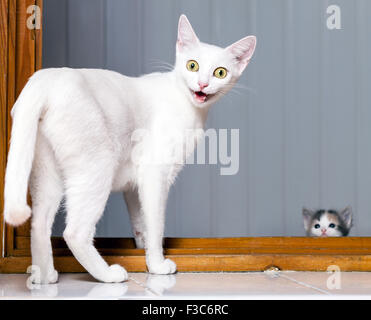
[200, 96]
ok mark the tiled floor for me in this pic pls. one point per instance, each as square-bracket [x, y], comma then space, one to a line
[249, 285]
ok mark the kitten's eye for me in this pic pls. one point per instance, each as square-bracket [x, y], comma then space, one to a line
[192, 65]
[317, 226]
[332, 225]
[220, 72]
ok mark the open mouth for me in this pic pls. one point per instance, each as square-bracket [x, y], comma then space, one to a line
[200, 96]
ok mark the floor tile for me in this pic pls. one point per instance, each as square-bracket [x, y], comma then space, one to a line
[341, 283]
[221, 285]
[248, 285]
[71, 286]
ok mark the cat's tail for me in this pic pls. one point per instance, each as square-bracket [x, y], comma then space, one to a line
[25, 114]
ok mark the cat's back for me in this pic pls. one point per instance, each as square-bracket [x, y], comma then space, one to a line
[83, 104]
[83, 91]
[63, 79]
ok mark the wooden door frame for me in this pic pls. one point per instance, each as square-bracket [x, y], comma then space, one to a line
[20, 56]
[215, 254]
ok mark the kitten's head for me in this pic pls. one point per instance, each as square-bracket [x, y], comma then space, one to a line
[209, 71]
[327, 223]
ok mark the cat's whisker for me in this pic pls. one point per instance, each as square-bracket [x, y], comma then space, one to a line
[161, 64]
[243, 87]
[231, 90]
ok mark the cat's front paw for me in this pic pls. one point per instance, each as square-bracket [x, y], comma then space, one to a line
[115, 273]
[165, 266]
[53, 277]
[49, 278]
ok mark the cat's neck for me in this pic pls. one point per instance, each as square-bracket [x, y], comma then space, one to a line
[177, 93]
[202, 113]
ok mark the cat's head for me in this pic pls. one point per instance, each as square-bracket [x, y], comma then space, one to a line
[327, 223]
[209, 71]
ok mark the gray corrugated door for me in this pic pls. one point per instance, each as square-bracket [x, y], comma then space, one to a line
[304, 115]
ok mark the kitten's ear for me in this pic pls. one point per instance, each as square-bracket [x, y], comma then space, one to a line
[186, 36]
[346, 215]
[243, 51]
[307, 215]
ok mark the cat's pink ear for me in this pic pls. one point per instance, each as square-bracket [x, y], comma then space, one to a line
[186, 35]
[243, 50]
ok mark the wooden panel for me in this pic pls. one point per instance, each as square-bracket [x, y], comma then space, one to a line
[3, 107]
[39, 39]
[251, 243]
[212, 263]
[10, 96]
[26, 61]
[25, 53]
[273, 243]
[214, 251]
[217, 246]
[24, 57]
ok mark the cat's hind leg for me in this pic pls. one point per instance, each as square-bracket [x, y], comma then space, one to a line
[136, 216]
[46, 190]
[88, 184]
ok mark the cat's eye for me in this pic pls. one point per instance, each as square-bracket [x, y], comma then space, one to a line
[192, 65]
[332, 225]
[220, 72]
[317, 226]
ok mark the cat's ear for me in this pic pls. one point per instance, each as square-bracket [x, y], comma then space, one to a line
[186, 36]
[243, 50]
[307, 217]
[346, 215]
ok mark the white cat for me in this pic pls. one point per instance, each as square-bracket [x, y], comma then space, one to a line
[72, 136]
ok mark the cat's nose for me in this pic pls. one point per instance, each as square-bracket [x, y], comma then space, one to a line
[323, 230]
[202, 85]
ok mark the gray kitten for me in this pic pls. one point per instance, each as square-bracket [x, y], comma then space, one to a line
[327, 223]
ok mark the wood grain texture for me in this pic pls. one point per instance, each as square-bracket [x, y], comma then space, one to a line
[224, 254]
[212, 263]
[269, 243]
[11, 82]
[3, 107]
[39, 39]
[210, 251]
[25, 47]
[24, 60]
